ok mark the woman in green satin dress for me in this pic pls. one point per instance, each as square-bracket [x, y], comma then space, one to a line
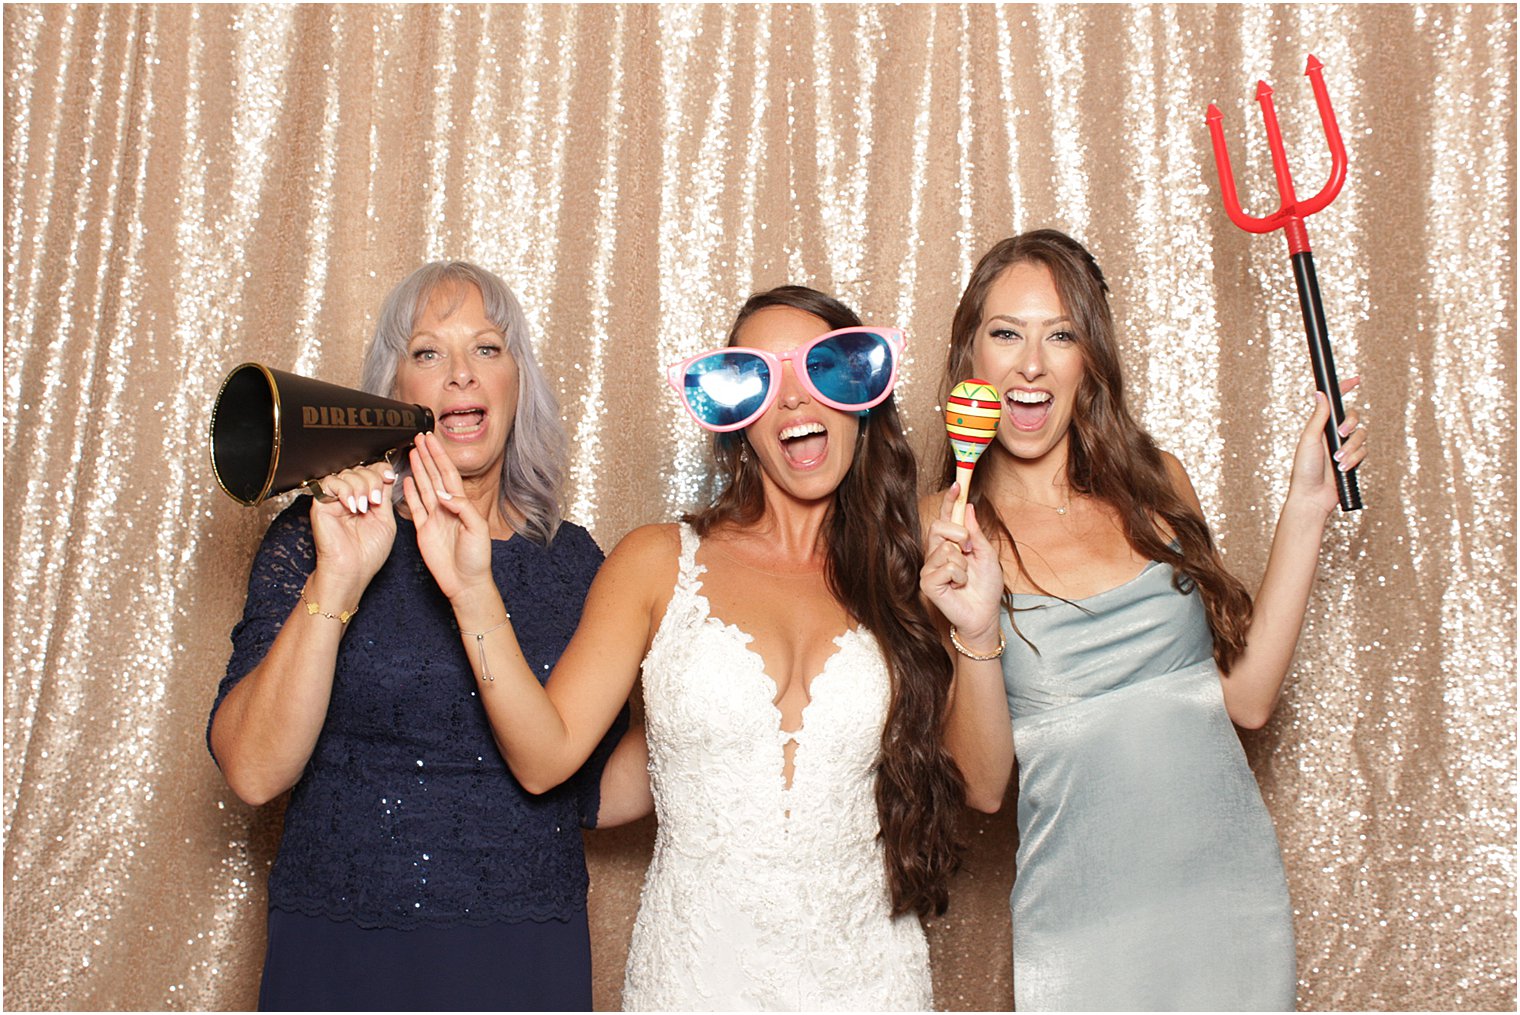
[1099, 636]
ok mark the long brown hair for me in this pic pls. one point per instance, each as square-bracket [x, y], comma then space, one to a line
[1109, 456]
[873, 559]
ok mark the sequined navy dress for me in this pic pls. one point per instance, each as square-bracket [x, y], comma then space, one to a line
[414, 872]
[1148, 874]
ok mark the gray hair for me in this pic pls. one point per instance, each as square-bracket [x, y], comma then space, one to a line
[533, 468]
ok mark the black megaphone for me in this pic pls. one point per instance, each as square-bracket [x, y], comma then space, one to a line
[273, 431]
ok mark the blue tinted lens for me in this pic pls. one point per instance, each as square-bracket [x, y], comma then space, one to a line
[727, 387]
[853, 368]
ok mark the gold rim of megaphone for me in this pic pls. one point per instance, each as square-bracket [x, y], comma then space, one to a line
[274, 455]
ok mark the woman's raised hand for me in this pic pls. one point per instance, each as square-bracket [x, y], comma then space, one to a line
[1313, 478]
[453, 537]
[961, 575]
[354, 529]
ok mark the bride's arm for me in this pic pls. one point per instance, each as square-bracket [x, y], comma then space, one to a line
[545, 734]
[625, 793]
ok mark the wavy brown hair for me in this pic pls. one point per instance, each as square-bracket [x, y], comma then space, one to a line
[872, 564]
[1110, 457]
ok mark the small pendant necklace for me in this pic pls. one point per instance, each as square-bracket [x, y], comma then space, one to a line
[1059, 509]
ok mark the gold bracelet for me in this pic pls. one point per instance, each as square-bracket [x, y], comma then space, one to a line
[480, 646]
[963, 650]
[313, 609]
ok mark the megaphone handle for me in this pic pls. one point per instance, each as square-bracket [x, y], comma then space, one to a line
[314, 487]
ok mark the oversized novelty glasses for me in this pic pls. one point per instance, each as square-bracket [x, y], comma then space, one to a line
[849, 369]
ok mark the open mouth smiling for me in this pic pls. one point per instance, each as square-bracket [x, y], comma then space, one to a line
[1027, 409]
[464, 422]
[804, 444]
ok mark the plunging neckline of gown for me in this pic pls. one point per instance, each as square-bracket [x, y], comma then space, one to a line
[746, 640]
[771, 689]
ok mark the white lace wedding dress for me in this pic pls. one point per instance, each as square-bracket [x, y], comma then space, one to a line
[761, 896]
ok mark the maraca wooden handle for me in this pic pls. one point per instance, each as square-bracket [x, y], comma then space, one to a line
[963, 477]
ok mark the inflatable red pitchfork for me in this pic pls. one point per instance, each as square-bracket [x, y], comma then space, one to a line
[1289, 217]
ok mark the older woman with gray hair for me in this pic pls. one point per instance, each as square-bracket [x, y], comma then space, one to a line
[414, 871]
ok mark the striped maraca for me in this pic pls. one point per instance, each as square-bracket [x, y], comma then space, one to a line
[971, 419]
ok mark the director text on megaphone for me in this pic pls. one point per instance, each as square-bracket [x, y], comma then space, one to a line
[274, 431]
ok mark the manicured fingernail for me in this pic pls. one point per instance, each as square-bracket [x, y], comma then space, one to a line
[1338, 454]
[445, 495]
[390, 476]
[353, 505]
[364, 505]
[374, 496]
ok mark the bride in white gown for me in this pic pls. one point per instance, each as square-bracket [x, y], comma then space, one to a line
[768, 892]
[790, 673]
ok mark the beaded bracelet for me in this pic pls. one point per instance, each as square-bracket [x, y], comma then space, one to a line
[963, 650]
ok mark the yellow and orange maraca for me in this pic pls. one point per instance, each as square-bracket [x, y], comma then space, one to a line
[971, 420]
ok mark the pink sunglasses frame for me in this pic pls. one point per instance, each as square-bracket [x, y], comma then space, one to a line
[896, 340]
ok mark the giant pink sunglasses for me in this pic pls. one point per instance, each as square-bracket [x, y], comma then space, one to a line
[850, 369]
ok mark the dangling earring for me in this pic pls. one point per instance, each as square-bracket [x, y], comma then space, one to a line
[743, 451]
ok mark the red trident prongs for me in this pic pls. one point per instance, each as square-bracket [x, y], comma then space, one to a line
[1289, 217]
[1291, 212]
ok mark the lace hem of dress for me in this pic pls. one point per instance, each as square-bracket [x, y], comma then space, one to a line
[368, 921]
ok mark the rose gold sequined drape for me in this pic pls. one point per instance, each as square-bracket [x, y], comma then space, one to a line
[190, 187]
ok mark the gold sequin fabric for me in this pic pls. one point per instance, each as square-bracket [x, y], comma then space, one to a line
[190, 187]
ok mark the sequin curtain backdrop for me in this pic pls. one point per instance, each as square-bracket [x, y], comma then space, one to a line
[186, 188]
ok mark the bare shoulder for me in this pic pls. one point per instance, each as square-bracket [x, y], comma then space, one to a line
[639, 577]
[648, 548]
[1181, 484]
[636, 579]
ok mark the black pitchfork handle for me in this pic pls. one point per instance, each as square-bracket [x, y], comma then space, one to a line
[1323, 361]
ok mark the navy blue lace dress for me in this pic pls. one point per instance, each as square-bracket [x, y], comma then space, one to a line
[414, 872]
